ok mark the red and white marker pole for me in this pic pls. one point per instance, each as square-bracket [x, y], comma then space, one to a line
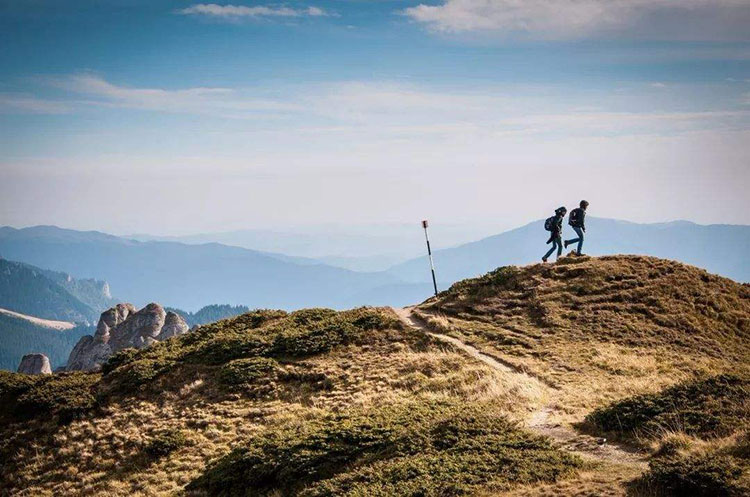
[429, 254]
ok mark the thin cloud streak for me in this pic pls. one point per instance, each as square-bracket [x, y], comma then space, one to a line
[575, 19]
[24, 104]
[235, 12]
[383, 109]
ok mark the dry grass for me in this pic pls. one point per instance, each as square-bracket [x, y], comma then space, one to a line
[587, 331]
[105, 454]
[600, 329]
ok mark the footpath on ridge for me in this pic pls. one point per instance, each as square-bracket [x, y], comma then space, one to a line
[588, 447]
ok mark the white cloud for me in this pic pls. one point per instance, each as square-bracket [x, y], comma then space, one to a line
[225, 102]
[394, 110]
[235, 12]
[14, 102]
[571, 19]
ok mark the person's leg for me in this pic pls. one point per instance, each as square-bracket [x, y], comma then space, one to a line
[579, 232]
[549, 252]
[573, 240]
[558, 242]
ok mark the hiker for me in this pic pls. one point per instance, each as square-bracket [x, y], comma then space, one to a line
[576, 221]
[554, 226]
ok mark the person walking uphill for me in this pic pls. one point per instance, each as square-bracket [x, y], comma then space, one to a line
[554, 226]
[576, 221]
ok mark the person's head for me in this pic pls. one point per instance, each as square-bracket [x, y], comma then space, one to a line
[584, 204]
[561, 211]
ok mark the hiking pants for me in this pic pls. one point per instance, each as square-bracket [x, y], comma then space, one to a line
[556, 244]
[579, 232]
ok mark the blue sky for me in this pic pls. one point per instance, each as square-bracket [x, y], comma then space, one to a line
[179, 117]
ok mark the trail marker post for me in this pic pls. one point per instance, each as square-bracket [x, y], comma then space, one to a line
[429, 254]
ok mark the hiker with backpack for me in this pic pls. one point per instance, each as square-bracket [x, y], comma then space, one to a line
[554, 226]
[576, 221]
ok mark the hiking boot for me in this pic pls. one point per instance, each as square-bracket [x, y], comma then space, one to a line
[544, 259]
[565, 243]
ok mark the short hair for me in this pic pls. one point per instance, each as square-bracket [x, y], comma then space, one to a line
[584, 204]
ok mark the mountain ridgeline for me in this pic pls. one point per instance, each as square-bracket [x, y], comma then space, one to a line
[189, 276]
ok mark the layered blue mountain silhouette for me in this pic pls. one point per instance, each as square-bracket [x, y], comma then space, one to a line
[189, 276]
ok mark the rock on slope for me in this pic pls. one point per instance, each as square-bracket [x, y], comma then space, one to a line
[35, 364]
[123, 327]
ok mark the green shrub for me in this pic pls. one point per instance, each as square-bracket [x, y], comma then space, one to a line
[715, 406]
[307, 317]
[699, 475]
[13, 384]
[134, 375]
[164, 443]
[297, 341]
[247, 371]
[406, 449]
[118, 359]
[228, 346]
[253, 335]
[66, 395]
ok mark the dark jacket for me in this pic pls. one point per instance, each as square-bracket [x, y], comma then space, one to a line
[557, 227]
[580, 221]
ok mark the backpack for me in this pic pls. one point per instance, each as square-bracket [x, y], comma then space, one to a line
[549, 223]
[575, 218]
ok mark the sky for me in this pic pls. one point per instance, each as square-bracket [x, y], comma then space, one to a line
[177, 117]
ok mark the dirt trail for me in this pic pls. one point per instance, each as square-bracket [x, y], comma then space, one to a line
[539, 421]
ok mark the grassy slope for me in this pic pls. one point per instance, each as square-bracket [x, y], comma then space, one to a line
[654, 352]
[263, 403]
[156, 418]
[600, 329]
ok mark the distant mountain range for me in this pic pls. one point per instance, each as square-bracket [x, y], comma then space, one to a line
[189, 276]
[51, 295]
[359, 247]
[718, 248]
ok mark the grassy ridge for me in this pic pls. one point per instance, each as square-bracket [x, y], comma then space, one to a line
[245, 346]
[620, 299]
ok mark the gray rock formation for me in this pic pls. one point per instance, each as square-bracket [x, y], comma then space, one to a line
[123, 327]
[35, 364]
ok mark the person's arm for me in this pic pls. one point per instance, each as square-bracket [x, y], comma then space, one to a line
[583, 220]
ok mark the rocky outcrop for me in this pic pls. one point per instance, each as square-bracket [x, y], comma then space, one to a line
[35, 364]
[123, 327]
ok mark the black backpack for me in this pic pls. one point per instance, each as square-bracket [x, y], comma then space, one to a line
[549, 223]
[575, 218]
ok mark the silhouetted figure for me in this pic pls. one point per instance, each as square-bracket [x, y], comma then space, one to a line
[577, 221]
[554, 226]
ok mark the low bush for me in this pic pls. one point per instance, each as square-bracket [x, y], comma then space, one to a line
[416, 448]
[710, 407]
[118, 359]
[137, 374]
[164, 443]
[13, 384]
[67, 396]
[258, 334]
[248, 371]
[699, 475]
